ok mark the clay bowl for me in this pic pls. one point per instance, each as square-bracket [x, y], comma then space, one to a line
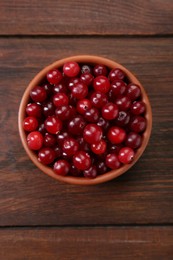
[82, 180]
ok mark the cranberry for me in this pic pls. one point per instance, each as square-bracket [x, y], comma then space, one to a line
[100, 70]
[79, 90]
[116, 74]
[42, 129]
[102, 84]
[60, 99]
[72, 100]
[138, 124]
[48, 108]
[92, 115]
[58, 151]
[71, 69]
[38, 94]
[64, 112]
[116, 135]
[99, 148]
[87, 78]
[35, 140]
[133, 140]
[30, 123]
[46, 155]
[98, 99]
[91, 172]
[126, 155]
[138, 107]
[48, 88]
[33, 109]
[92, 133]
[110, 111]
[54, 76]
[59, 88]
[123, 118]
[83, 144]
[72, 82]
[81, 160]
[112, 161]
[115, 148]
[118, 87]
[103, 123]
[61, 137]
[83, 105]
[74, 171]
[61, 167]
[101, 167]
[53, 125]
[86, 68]
[70, 146]
[123, 103]
[133, 91]
[76, 125]
[49, 140]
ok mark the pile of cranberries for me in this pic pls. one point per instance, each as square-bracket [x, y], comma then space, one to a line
[85, 120]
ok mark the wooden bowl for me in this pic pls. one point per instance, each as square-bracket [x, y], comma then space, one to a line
[82, 180]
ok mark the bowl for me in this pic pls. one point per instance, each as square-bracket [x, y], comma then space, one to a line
[88, 59]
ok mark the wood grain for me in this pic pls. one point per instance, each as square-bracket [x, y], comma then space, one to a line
[87, 243]
[143, 195]
[30, 17]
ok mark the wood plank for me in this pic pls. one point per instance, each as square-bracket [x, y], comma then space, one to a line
[30, 17]
[143, 195]
[87, 243]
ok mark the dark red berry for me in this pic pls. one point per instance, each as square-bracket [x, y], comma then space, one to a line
[81, 160]
[101, 84]
[48, 108]
[99, 148]
[70, 146]
[123, 103]
[30, 123]
[126, 155]
[100, 70]
[138, 108]
[133, 140]
[58, 151]
[92, 115]
[83, 145]
[46, 155]
[54, 76]
[71, 69]
[35, 140]
[79, 90]
[103, 123]
[53, 125]
[61, 137]
[83, 105]
[91, 172]
[33, 109]
[110, 111]
[118, 88]
[92, 133]
[72, 82]
[123, 118]
[60, 99]
[112, 161]
[61, 167]
[49, 140]
[76, 125]
[101, 167]
[116, 74]
[116, 135]
[87, 78]
[65, 112]
[75, 172]
[133, 91]
[98, 99]
[38, 94]
[48, 88]
[138, 124]
[59, 88]
[115, 148]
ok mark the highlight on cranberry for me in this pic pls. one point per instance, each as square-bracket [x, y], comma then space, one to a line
[84, 120]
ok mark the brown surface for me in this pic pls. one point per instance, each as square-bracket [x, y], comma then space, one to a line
[144, 195]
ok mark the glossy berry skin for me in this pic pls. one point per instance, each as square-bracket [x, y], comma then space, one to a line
[48, 88]
[116, 74]
[133, 91]
[92, 115]
[59, 88]
[99, 148]
[48, 108]
[123, 103]
[60, 99]
[133, 140]
[138, 124]
[92, 133]
[30, 123]
[61, 167]
[118, 88]
[76, 125]
[103, 123]
[112, 161]
[115, 148]
[70, 146]
[71, 69]
[83, 145]
[61, 137]
[33, 109]
[101, 84]
[54, 76]
[53, 125]
[86, 78]
[83, 105]
[42, 129]
[81, 160]
[110, 111]
[64, 112]
[38, 94]
[86, 68]
[91, 172]
[116, 135]
[49, 140]
[79, 90]
[126, 155]
[101, 167]
[35, 140]
[100, 70]
[74, 171]
[72, 82]
[58, 151]
[46, 155]
[98, 99]
[138, 108]
[123, 118]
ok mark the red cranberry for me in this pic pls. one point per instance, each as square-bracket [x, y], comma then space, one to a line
[126, 155]
[46, 155]
[118, 87]
[83, 105]
[99, 148]
[86, 68]
[116, 74]
[49, 140]
[75, 172]
[115, 148]
[42, 129]
[61, 167]
[72, 82]
[123, 103]
[100, 70]
[60, 99]
[138, 124]
[30, 123]
[123, 118]
[110, 111]
[101, 167]
[98, 99]
[58, 151]
[133, 140]
[92, 133]
[54, 76]
[48, 108]
[33, 109]
[101, 84]
[61, 137]
[76, 125]
[83, 145]
[103, 123]
[71, 69]
[70, 146]
[91, 172]
[79, 90]
[53, 125]
[92, 115]
[59, 88]
[48, 88]
[87, 78]
[38, 94]
[112, 161]
[133, 91]
[116, 135]
[64, 112]
[138, 107]
[35, 140]
[81, 160]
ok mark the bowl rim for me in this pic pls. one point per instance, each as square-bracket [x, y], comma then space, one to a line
[91, 59]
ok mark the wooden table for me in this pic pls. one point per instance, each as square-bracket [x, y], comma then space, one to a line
[128, 218]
